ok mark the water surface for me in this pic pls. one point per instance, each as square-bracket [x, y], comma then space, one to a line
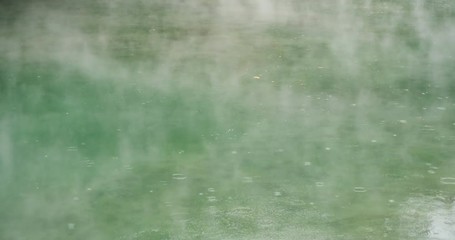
[227, 120]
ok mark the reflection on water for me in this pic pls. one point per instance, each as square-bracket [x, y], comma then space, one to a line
[227, 119]
[428, 218]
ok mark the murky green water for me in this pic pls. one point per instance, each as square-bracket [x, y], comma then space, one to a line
[227, 119]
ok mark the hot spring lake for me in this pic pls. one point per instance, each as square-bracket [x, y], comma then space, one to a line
[227, 119]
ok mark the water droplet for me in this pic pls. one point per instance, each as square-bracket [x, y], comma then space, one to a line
[89, 189]
[448, 180]
[374, 141]
[431, 171]
[277, 194]
[211, 198]
[403, 121]
[210, 189]
[307, 163]
[240, 212]
[327, 149]
[213, 210]
[257, 77]
[441, 108]
[391, 201]
[178, 176]
[71, 149]
[247, 179]
[359, 189]
[71, 226]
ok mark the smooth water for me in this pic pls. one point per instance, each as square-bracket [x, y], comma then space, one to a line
[227, 119]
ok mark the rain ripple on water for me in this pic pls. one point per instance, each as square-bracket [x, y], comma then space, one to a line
[448, 180]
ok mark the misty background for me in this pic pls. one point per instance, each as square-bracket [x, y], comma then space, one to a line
[217, 119]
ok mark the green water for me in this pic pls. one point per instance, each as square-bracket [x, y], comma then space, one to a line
[227, 119]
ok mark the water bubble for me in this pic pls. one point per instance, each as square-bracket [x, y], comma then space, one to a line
[211, 199]
[307, 163]
[359, 189]
[448, 180]
[431, 171]
[319, 184]
[234, 152]
[210, 189]
[277, 194]
[441, 108]
[391, 201]
[89, 189]
[374, 141]
[327, 149]
[403, 121]
[178, 176]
